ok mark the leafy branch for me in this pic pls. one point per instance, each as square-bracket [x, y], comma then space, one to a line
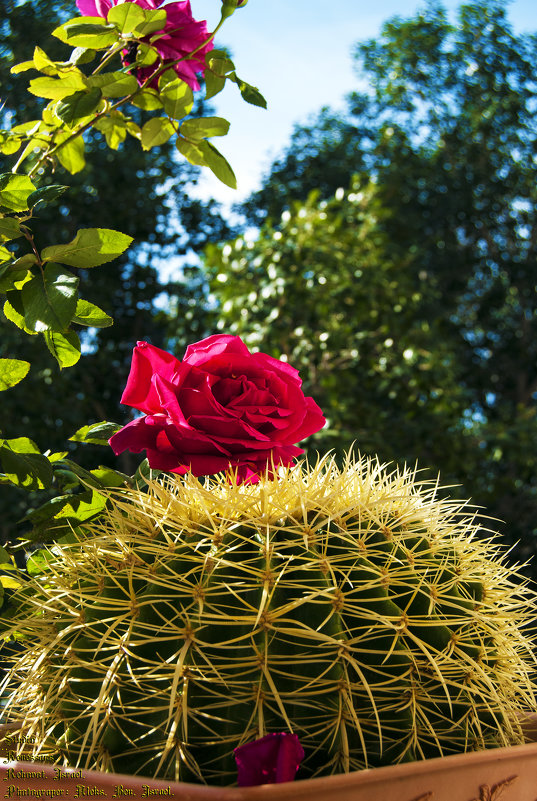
[88, 91]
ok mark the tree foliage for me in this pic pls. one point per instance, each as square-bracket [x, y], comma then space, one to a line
[410, 303]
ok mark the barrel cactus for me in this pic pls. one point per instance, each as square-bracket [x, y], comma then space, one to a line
[350, 606]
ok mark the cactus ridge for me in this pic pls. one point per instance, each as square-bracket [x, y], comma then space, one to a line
[354, 607]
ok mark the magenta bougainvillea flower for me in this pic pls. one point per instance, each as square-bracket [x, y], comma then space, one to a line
[269, 760]
[181, 35]
[220, 407]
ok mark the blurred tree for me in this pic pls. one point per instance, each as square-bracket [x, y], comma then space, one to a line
[349, 308]
[145, 194]
[429, 280]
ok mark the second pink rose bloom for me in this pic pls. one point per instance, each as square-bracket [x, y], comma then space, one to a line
[220, 407]
[181, 35]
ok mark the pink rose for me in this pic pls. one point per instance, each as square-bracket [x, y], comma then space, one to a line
[221, 407]
[181, 35]
[269, 760]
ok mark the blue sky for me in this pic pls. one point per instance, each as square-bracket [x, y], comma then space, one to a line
[298, 52]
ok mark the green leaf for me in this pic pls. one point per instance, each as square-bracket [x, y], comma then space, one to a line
[14, 191]
[126, 17]
[27, 128]
[64, 347]
[56, 456]
[156, 131]
[65, 479]
[58, 88]
[204, 154]
[89, 314]
[91, 247]
[10, 278]
[134, 130]
[9, 143]
[47, 194]
[148, 100]
[24, 66]
[59, 515]
[24, 262]
[5, 558]
[155, 20]
[191, 151]
[213, 84]
[177, 97]
[82, 475]
[11, 372]
[114, 127]
[96, 433]
[5, 257]
[71, 154]
[86, 32]
[219, 62]
[79, 105]
[10, 582]
[24, 465]
[114, 84]
[49, 300]
[82, 508]
[146, 55]
[14, 316]
[218, 164]
[82, 55]
[47, 510]
[10, 228]
[249, 93]
[44, 64]
[39, 562]
[110, 478]
[204, 127]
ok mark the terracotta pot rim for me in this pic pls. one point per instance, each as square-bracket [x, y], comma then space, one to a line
[365, 777]
[394, 772]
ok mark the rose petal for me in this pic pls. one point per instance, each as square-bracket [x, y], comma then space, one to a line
[271, 759]
[190, 441]
[207, 348]
[312, 421]
[269, 363]
[226, 428]
[147, 362]
[168, 401]
[136, 436]
[234, 365]
[200, 465]
[233, 391]
[202, 400]
[88, 8]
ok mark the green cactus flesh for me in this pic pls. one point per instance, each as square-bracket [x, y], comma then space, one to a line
[353, 607]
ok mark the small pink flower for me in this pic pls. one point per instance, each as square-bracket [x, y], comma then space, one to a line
[181, 35]
[271, 759]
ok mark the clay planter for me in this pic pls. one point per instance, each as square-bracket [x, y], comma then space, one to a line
[509, 773]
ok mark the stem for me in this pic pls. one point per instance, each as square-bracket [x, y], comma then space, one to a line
[19, 160]
[114, 50]
[27, 234]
